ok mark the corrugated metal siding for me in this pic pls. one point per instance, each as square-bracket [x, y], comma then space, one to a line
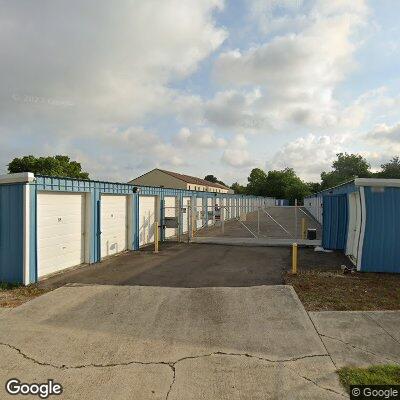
[381, 249]
[11, 233]
[335, 218]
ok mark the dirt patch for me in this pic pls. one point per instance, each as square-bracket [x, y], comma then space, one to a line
[332, 290]
[13, 296]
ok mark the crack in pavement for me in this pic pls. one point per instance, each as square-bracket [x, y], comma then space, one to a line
[316, 384]
[359, 348]
[169, 363]
[323, 344]
[383, 328]
[172, 364]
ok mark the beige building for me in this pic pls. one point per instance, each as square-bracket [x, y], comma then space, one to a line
[168, 179]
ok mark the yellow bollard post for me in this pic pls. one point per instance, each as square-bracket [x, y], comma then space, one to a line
[294, 258]
[155, 236]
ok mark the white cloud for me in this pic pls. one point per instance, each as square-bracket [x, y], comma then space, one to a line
[308, 155]
[237, 155]
[112, 64]
[202, 139]
[298, 71]
[386, 135]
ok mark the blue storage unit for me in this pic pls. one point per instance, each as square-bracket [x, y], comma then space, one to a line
[362, 218]
[19, 194]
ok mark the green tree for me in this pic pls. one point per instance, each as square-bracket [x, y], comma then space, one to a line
[390, 170]
[257, 182]
[213, 179]
[314, 187]
[286, 184]
[345, 168]
[58, 165]
[297, 189]
[238, 189]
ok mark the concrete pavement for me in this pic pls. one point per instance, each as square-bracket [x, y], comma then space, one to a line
[120, 342]
[360, 338]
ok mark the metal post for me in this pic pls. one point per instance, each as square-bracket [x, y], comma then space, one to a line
[193, 216]
[179, 216]
[295, 218]
[222, 219]
[294, 258]
[156, 237]
[303, 228]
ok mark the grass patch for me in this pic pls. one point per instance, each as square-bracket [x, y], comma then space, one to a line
[375, 375]
[13, 295]
[331, 290]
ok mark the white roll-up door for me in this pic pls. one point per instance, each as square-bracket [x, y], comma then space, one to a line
[209, 212]
[170, 211]
[114, 224]
[147, 212]
[60, 231]
[199, 212]
[225, 210]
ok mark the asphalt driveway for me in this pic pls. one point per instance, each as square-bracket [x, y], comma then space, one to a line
[197, 265]
[184, 265]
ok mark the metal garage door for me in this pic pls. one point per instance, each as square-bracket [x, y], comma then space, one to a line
[114, 224]
[199, 212]
[210, 211]
[170, 211]
[60, 231]
[147, 209]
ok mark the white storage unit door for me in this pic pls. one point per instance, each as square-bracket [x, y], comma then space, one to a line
[170, 211]
[199, 209]
[114, 224]
[147, 209]
[60, 231]
[185, 214]
[209, 211]
[225, 210]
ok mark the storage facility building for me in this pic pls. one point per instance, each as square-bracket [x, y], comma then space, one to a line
[48, 224]
[169, 179]
[361, 218]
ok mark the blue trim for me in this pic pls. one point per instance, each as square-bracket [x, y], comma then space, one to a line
[33, 256]
[98, 230]
[162, 215]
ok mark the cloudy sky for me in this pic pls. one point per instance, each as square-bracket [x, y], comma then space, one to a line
[199, 86]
